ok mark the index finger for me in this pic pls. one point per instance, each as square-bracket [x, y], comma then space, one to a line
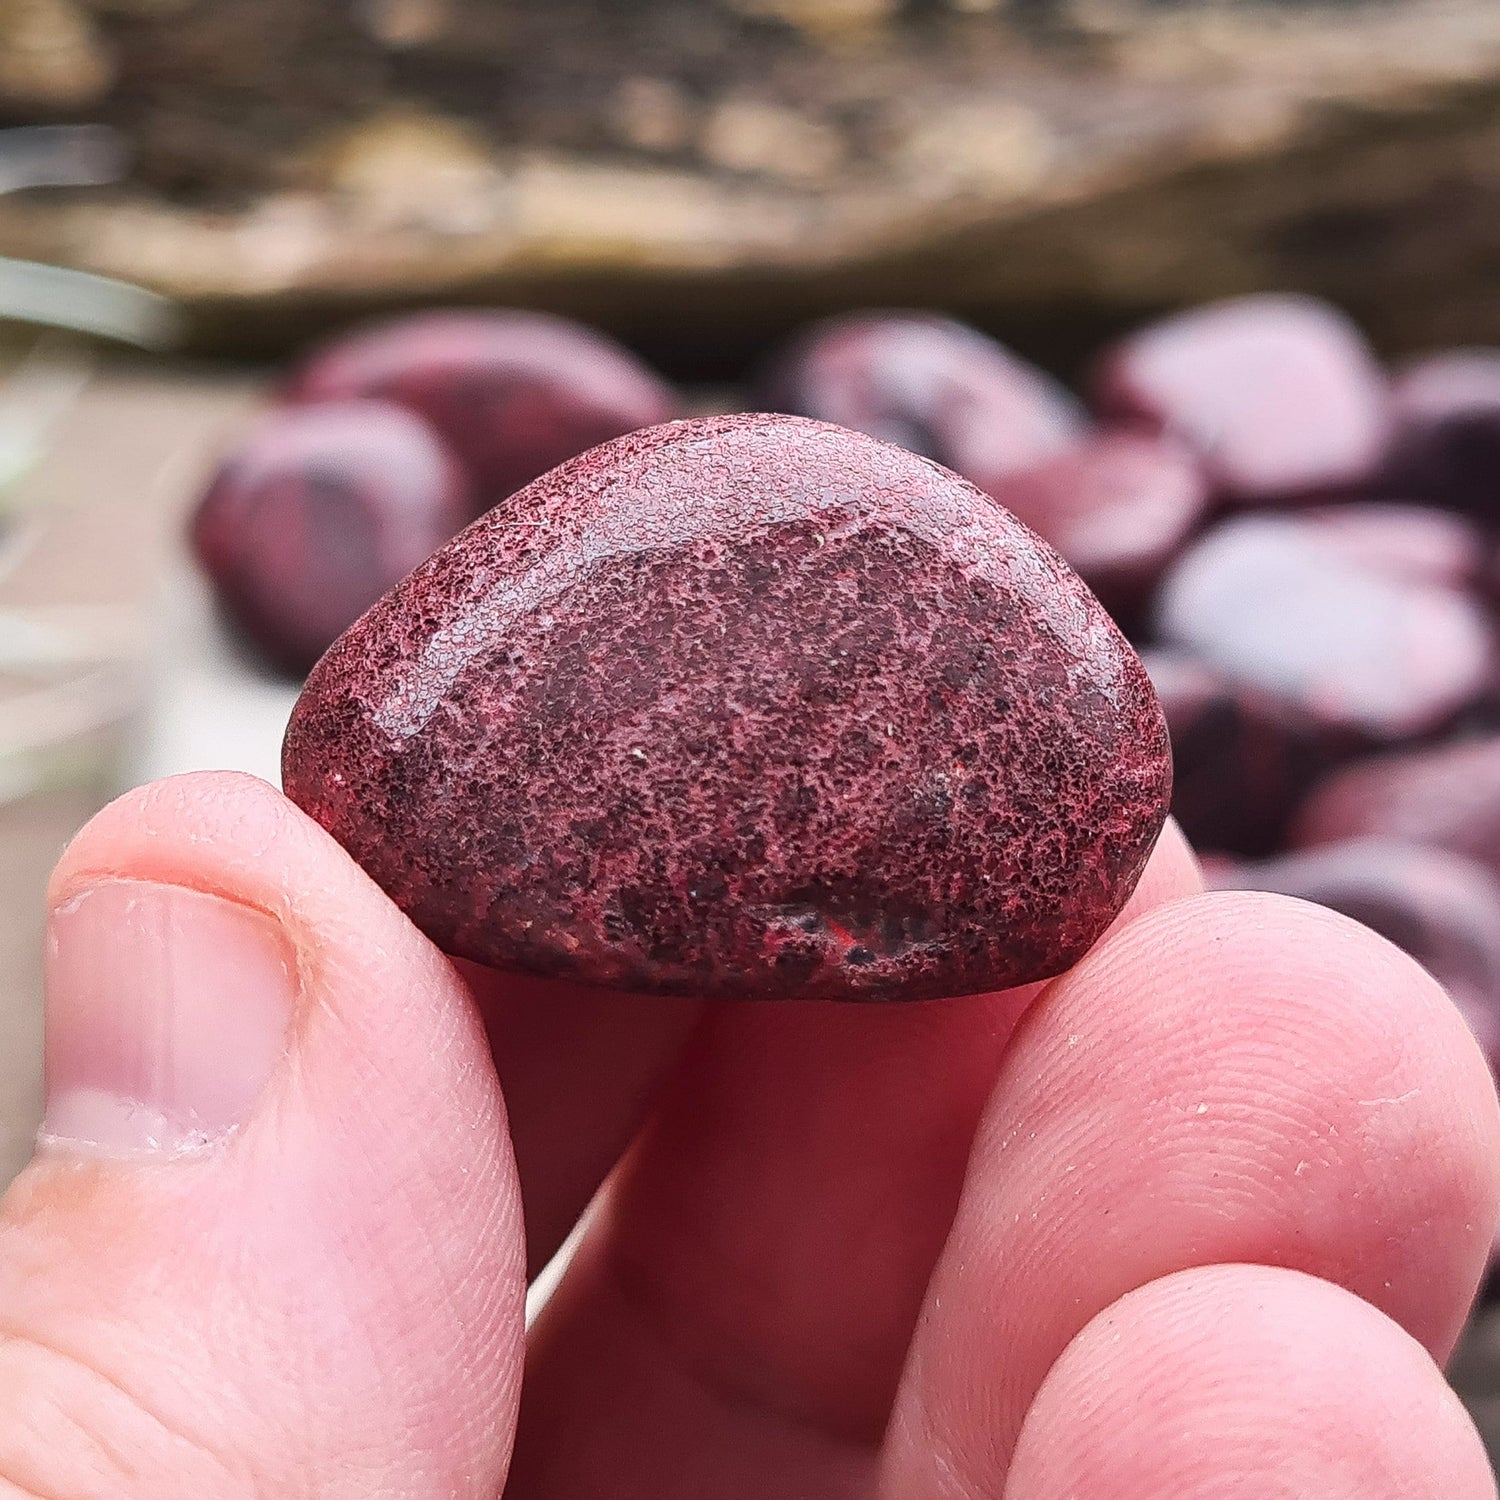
[1238, 1077]
[774, 1227]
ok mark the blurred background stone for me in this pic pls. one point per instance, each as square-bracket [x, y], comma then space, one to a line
[700, 176]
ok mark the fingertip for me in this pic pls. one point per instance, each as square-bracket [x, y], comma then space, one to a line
[1238, 1381]
[1231, 1077]
[232, 835]
[1263, 943]
[154, 831]
[1329, 1017]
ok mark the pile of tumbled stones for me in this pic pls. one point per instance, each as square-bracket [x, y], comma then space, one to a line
[1301, 543]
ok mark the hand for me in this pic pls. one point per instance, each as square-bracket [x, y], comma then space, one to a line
[1230, 1185]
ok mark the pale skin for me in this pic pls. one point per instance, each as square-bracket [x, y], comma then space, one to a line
[1202, 1218]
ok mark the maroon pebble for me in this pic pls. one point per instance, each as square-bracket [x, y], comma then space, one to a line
[760, 708]
[1416, 542]
[1118, 507]
[1365, 655]
[513, 393]
[1446, 444]
[316, 513]
[1279, 395]
[1442, 909]
[1446, 795]
[929, 384]
[1242, 760]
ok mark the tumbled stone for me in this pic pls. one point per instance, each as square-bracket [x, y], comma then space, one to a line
[929, 384]
[1445, 795]
[1242, 759]
[315, 513]
[754, 706]
[1416, 542]
[1446, 444]
[1279, 395]
[1359, 651]
[512, 393]
[1119, 507]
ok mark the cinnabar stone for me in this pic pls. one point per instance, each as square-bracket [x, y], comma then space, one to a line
[744, 707]
[316, 513]
[1368, 656]
[512, 393]
[1442, 909]
[1279, 395]
[929, 384]
[1241, 758]
[1444, 795]
[1418, 543]
[1119, 506]
[1446, 444]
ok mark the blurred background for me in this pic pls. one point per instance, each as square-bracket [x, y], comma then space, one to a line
[1290, 502]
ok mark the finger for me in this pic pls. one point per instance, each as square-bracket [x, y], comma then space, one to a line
[580, 1069]
[271, 1243]
[1237, 1383]
[1239, 1077]
[745, 1304]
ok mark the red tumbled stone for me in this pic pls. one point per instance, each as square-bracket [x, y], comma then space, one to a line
[1446, 795]
[1446, 443]
[1366, 655]
[754, 706]
[512, 393]
[1279, 395]
[1416, 542]
[929, 384]
[1118, 507]
[316, 513]
[1241, 758]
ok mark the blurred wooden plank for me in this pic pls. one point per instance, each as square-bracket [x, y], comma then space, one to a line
[699, 175]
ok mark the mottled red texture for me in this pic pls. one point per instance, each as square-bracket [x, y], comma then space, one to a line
[1242, 759]
[930, 385]
[1446, 445]
[1354, 649]
[1440, 908]
[1279, 395]
[1413, 542]
[512, 393]
[1446, 795]
[316, 513]
[753, 706]
[1118, 507]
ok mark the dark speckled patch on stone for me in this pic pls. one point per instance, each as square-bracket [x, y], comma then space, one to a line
[746, 706]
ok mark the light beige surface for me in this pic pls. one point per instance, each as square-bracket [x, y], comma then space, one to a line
[103, 517]
[31, 833]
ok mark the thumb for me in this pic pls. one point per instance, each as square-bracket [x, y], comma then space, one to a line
[271, 1241]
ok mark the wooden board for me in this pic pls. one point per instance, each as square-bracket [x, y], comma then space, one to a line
[700, 174]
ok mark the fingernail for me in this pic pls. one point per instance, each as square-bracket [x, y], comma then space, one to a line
[167, 1012]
